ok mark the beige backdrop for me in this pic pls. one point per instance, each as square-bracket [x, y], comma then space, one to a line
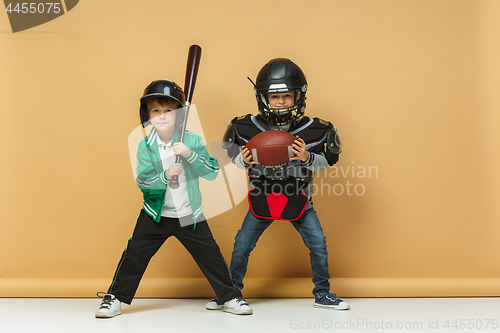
[413, 87]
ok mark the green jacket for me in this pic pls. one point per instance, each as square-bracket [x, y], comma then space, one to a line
[152, 180]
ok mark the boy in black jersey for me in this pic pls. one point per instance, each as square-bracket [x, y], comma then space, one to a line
[280, 90]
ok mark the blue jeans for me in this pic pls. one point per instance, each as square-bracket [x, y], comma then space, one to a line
[307, 225]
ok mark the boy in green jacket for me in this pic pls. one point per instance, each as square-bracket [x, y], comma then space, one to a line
[170, 212]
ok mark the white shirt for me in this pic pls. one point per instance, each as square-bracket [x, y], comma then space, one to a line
[176, 200]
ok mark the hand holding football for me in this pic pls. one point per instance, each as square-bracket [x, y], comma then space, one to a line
[300, 150]
[272, 148]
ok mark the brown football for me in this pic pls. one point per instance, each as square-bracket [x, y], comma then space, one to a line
[271, 148]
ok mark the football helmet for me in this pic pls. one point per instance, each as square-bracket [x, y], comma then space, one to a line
[278, 76]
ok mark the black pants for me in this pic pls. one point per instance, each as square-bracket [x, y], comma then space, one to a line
[147, 239]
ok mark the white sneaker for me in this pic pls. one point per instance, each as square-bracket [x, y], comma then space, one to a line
[214, 304]
[109, 307]
[237, 306]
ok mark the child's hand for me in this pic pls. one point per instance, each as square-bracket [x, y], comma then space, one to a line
[174, 170]
[181, 149]
[247, 157]
[299, 149]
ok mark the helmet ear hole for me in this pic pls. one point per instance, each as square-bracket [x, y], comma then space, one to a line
[264, 99]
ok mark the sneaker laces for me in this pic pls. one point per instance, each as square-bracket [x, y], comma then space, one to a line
[241, 301]
[106, 301]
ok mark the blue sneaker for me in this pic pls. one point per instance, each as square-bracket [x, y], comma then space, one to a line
[331, 301]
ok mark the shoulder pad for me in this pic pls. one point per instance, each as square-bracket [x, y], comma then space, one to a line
[240, 118]
[324, 122]
[228, 137]
[333, 143]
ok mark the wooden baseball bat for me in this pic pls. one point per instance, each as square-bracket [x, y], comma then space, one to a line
[193, 62]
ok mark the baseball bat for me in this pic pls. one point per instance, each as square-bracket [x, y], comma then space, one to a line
[193, 63]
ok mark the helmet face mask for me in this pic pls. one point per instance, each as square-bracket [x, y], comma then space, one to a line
[165, 89]
[278, 76]
[280, 116]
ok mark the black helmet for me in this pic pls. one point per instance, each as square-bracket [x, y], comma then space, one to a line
[161, 88]
[277, 76]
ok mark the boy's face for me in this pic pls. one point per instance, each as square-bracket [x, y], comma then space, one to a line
[281, 100]
[162, 117]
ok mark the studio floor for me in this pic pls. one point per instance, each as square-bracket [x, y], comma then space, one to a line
[54, 315]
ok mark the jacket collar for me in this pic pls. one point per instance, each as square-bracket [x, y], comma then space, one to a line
[152, 138]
